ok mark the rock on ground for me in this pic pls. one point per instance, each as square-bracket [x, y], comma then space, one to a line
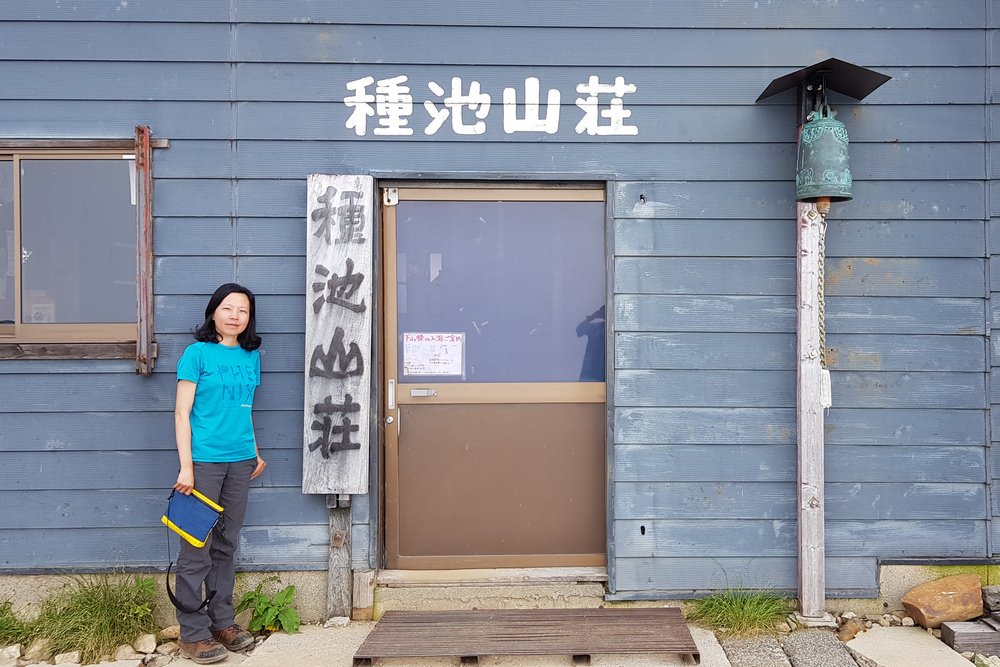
[145, 644]
[168, 648]
[816, 648]
[991, 598]
[66, 658]
[955, 598]
[850, 629]
[763, 651]
[156, 660]
[126, 652]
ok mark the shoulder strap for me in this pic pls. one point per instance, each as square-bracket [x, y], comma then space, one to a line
[174, 601]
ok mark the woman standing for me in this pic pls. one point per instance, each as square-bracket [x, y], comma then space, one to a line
[216, 380]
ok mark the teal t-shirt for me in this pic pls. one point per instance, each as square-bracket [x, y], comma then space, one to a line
[221, 428]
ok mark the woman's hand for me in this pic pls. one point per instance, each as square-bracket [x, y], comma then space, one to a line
[261, 464]
[185, 482]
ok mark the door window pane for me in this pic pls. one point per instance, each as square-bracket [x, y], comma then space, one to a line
[6, 242]
[78, 237]
[523, 282]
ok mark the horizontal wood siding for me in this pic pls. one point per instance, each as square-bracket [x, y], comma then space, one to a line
[683, 577]
[993, 271]
[323, 82]
[87, 456]
[704, 458]
[251, 94]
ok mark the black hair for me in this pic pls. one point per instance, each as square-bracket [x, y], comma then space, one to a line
[206, 333]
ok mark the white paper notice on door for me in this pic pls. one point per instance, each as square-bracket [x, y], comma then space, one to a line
[434, 354]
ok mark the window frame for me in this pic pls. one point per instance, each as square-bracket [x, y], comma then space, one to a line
[122, 340]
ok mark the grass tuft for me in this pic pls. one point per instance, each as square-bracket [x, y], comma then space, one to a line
[96, 614]
[12, 629]
[740, 612]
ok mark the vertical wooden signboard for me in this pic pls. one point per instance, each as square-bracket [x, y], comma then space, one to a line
[338, 346]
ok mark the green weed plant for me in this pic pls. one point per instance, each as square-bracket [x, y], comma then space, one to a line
[97, 613]
[740, 612]
[270, 614]
[13, 630]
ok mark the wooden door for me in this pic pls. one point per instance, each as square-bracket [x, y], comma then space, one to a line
[495, 365]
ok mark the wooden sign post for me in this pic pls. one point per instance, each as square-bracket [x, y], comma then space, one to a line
[338, 354]
[338, 334]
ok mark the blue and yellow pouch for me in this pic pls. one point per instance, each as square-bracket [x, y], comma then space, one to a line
[191, 516]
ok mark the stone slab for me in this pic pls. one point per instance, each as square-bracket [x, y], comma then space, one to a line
[974, 636]
[762, 651]
[816, 648]
[902, 647]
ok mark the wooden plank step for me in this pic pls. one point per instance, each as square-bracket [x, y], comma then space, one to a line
[578, 633]
[971, 636]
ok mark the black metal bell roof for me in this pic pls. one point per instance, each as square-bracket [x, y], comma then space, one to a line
[841, 76]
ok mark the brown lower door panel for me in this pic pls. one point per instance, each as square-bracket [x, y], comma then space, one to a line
[501, 485]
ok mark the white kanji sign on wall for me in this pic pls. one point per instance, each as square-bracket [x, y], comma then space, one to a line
[468, 108]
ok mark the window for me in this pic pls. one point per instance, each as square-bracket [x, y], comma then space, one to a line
[70, 235]
[69, 247]
[518, 274]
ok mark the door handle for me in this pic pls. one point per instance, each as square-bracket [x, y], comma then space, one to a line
[391, 405]
[423, 392]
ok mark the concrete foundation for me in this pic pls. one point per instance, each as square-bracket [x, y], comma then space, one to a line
[27, 592]
[895, 581]
[434, 598]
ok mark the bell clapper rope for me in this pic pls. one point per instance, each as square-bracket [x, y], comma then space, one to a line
[826, 389]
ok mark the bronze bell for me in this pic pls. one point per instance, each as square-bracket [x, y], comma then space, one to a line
[823, 168]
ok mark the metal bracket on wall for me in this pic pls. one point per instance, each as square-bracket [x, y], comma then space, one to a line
[390, 196]
[338, 500]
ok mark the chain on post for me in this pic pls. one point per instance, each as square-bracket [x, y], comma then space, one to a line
[822, 281]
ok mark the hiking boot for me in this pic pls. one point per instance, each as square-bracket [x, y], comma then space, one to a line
[203, 652]
[234, 637]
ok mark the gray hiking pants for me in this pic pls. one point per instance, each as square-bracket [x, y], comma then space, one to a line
[213, 565]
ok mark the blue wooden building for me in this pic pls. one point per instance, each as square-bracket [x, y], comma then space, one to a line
[650, 184]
